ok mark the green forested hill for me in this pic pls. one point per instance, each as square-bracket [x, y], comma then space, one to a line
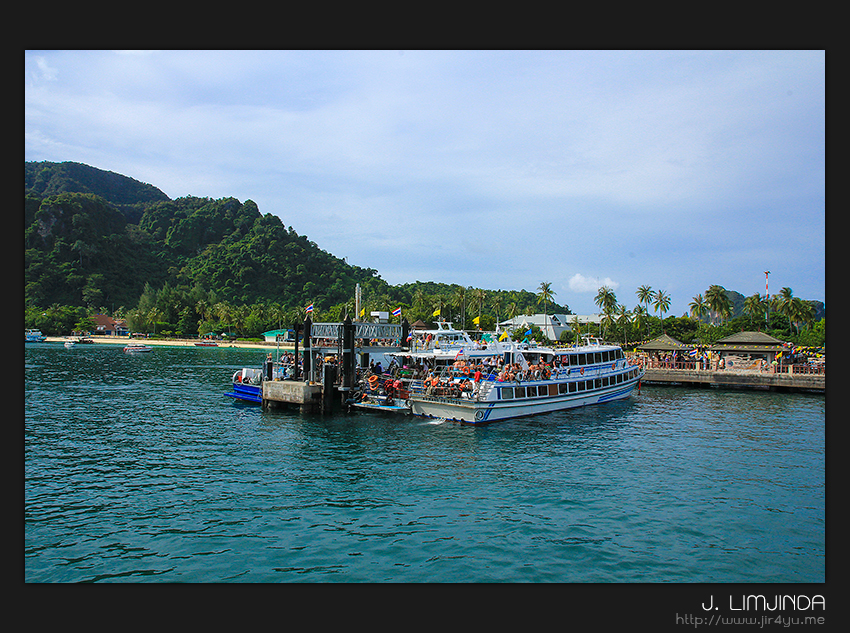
[96, 238]
[125, 194]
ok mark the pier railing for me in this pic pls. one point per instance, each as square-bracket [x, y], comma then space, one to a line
[818, 369]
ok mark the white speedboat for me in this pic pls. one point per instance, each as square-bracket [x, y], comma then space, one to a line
[528, 380]
[137, 347]
[33, 336]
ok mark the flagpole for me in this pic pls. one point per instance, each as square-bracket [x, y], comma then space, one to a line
[766, 300]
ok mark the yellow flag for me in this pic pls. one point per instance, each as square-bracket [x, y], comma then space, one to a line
[503, 336]
[362, 311]
[475, 320]
[436, 312]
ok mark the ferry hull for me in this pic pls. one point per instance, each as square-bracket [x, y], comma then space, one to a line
[471, 412]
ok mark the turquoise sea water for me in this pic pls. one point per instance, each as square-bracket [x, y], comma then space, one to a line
[139, 469]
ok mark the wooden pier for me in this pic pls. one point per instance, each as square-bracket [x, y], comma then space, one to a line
[740, 379]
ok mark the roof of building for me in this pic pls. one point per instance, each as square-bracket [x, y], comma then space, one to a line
[748, 341]
[664, 343]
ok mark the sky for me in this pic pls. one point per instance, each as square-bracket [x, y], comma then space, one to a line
[676, 170]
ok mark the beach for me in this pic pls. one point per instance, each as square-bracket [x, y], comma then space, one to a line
[176, 342]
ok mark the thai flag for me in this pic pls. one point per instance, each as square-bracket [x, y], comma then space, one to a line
[310, 308]
[397, 312]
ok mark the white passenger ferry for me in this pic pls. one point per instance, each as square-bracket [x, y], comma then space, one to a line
[526, 380]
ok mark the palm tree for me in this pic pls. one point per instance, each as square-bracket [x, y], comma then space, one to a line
[575, 326]
[717, 300]
[645, 296]
[661, 304]
[459, 301]
[154, 315]
[419, 298]
[784, 303]
[545, 294]
[439, 304]
[496, 304]
[755, 306]
[605, 299]
[639, 315]
[800, 311]
[698, 307]
[479, 295]
[623, 319]
[202, 308]
[607, 302]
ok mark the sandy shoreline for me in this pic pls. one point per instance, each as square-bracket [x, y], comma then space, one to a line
[123, 340]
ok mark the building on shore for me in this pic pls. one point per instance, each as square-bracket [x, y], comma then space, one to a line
[552, 325]
[285, 336]
[746, 350]
[107, 326]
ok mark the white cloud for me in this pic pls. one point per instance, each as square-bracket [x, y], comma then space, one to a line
[580, 283]
[47, 71]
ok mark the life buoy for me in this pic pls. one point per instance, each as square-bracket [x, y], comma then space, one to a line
[466, 371]
[581, 371]
[614, 366]
[546, 373]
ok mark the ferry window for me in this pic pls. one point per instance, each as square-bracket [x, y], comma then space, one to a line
[605, 357]
[573, 387]
[580, 384]
[597, 357]
[553, 390]
[582, 359]
[519, 392]
[507, 393]
[562, 387]
[618, 353]
[598, 383]
[619, 378]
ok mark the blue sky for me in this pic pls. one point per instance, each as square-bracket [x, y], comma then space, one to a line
[491, 169]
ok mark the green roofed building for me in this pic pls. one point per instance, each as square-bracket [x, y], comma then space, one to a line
[745, 349]
[285, 335]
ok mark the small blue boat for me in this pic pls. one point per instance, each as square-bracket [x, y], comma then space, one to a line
[247, 385]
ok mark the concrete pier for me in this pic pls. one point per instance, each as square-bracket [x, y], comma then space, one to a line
[292, 392]
[742, 379]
